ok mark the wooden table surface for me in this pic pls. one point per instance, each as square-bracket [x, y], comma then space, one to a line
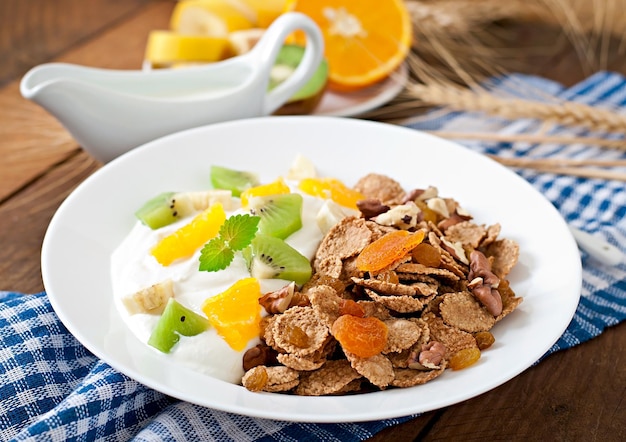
[577, 394]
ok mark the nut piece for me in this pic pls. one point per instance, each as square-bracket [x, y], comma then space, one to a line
[403, 216]
[278, 301]
[429, 358]
[371, 207]
[261, 354]
[484, 283]
[455, 249]
[480, 267]
[438, 205]
[489, 297]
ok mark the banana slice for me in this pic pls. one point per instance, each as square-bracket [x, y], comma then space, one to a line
[150, 300]
[167, 48]
[243, 41]
[266, 11]
[215, 18]
[301, 168]
[330, 214]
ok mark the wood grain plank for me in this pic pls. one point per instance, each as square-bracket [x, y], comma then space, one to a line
[35, 31]
[31, 140]
[24, 220]
[576, 394]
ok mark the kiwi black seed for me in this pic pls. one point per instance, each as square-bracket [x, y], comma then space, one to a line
[281, 215]
[158, 211]
[273, 258]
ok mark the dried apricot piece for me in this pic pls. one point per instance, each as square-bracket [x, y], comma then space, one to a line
[464, 358]
[350, 307]
[363, 337]
[387, 249]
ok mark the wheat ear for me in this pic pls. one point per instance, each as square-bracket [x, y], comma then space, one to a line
[564, 113]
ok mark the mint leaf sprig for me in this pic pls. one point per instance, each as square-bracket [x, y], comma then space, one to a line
[236, 234]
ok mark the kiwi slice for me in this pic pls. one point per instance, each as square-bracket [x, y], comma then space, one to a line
[269, 257]
[309, 95]
[158, 211]
[234, 180]
[176, 320]
[281, 214]
[169, 207]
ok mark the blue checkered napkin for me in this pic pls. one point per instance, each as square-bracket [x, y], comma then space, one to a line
[593, 205]
[54, 389]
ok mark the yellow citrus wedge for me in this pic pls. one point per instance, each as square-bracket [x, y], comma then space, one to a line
[185, 241]
[274, 188]
[331, 188]
[365, 40]
[236, 313]
[165, 47]
[216, 18]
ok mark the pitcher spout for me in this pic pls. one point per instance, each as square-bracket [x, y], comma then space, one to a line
[98, 119]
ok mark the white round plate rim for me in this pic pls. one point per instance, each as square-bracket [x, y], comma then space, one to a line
[94, 218]
[350, 104]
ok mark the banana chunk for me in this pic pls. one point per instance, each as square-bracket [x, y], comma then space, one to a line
[151, 299]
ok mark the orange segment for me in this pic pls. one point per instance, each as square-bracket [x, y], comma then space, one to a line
[331, 188]
[185, 241]
[388, 249]
[236, 313]
[365, 40]
[274, 188]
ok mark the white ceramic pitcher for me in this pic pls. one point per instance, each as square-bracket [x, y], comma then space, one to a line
[109, 112]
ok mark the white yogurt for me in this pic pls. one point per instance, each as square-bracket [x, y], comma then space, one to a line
[134, 268]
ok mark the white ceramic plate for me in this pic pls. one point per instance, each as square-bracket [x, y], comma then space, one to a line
[350, 104]
[99, 213]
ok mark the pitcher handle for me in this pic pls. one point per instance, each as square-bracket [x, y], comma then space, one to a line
[267, 50]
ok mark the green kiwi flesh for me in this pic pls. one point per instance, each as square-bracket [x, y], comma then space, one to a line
[281, 215]
[269, 257]
[234, 180]
[158, 211]
[306, 98]
[175, 321]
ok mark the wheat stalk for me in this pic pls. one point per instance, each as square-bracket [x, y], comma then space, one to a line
[565, 113]
[459, 43]
[467, 42]
[464, 16]
[565, 166]
[532, 138]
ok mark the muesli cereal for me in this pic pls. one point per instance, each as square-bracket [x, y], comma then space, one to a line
[435, 298]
